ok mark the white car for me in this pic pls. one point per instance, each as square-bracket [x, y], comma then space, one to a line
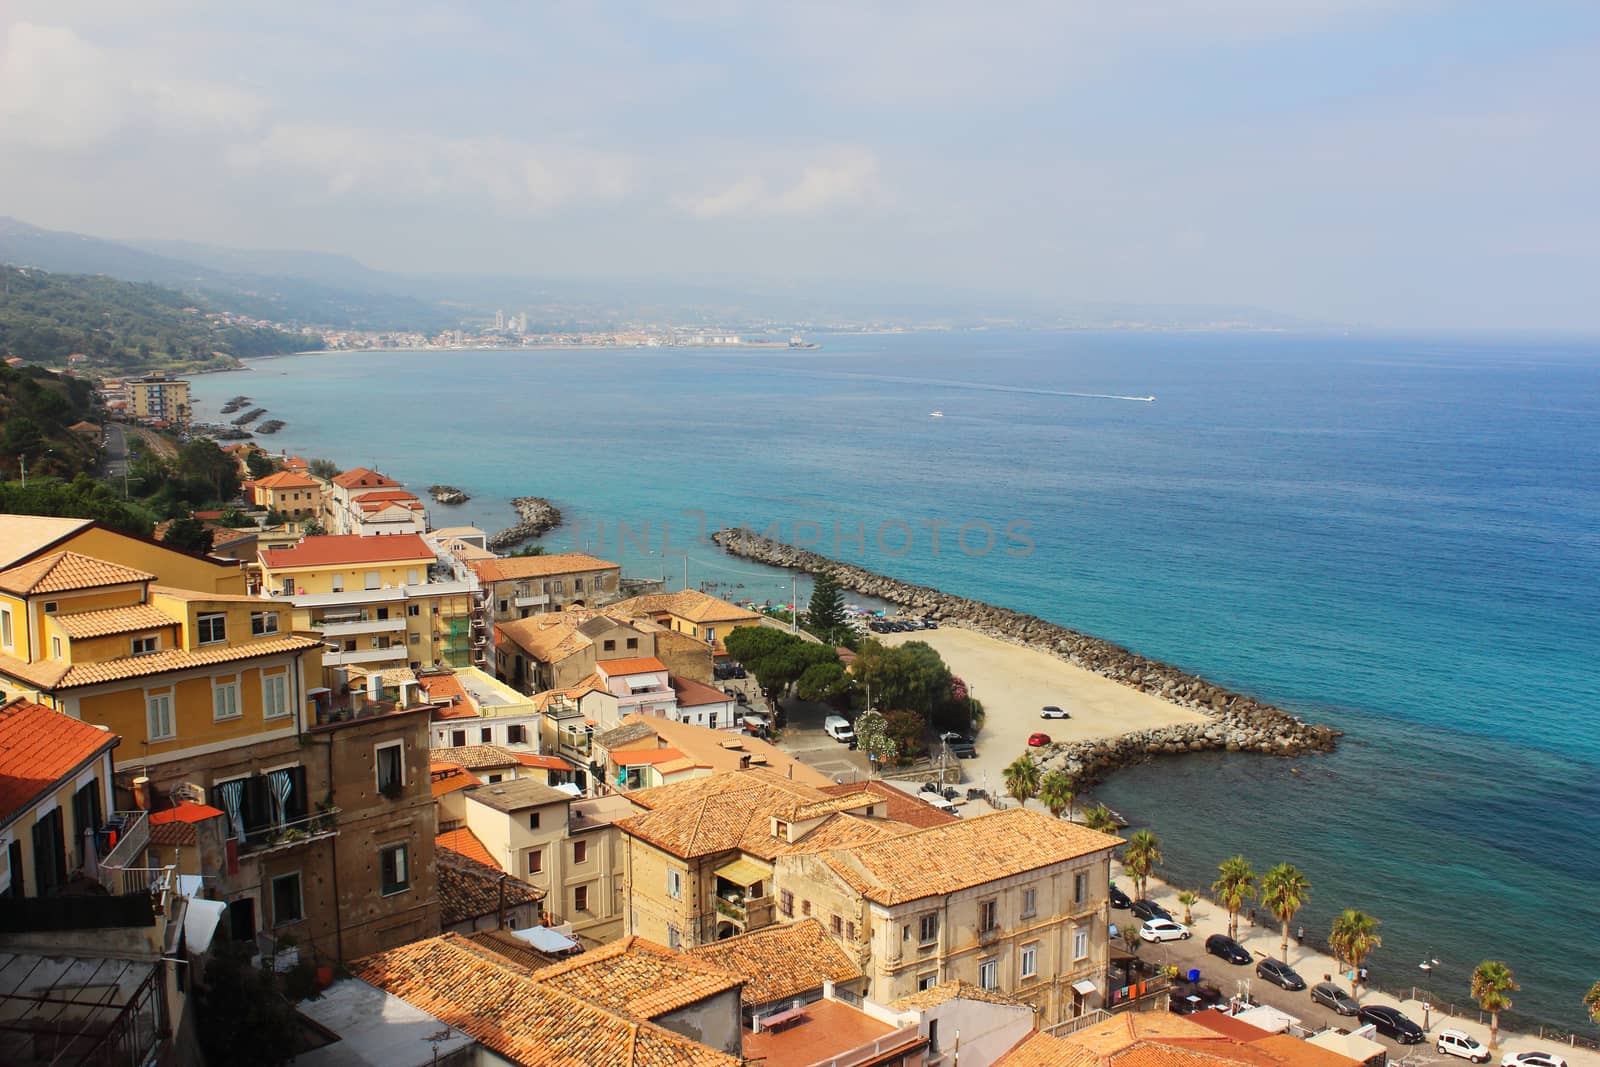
[1460, 1043]
[1532, 1059]
[1050, 711]
[1163, 930]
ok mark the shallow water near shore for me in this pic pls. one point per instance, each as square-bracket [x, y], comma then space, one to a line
[1396, 535]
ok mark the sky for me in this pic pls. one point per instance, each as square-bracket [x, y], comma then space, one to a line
[1373, 162]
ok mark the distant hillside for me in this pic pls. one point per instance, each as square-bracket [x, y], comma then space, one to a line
[124, 327]
[37, 411]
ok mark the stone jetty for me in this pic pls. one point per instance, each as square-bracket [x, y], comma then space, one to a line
[538, 516]
[1238, 723]
[448, 494]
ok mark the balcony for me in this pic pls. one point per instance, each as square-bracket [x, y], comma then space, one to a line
[989, 936]
[133, 830]
[330, 628]
[340, 658]
[536, 601]
[277, 837]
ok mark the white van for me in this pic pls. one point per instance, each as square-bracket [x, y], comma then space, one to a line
[838, 727]
[941, 803]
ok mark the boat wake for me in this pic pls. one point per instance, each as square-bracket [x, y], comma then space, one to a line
[989, 386]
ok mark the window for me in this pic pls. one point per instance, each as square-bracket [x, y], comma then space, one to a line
[55, 647]
[146, 646]
[850, 931]
[577, 585]
[675, 884]
[505, 606]
[674, 939]
[389, 761]
[373, 580]
[50, 607]
[396, 875]
[927, 981]
[1030, 900]
[580, 898]
[416, 639]
[338, 583]
[805, 907]
[928, 928]
[411, 576]
[5, 627]
[786, 904]
[989, 974]
[533, 820]
[988, 916]
[495, 778]
[516, 735]
[633, 642]
[558, 586]
[274, 696]
[1030, 960]
[211, 628]
[609, 645]
[837, 926]
[580, 852]
[287, 904]
[1080, 944]
[1080, 887]
[711, 635]
[224, 700]
[263, 623]
[158, 713]
[486, 735]
[536, 861]
[458, 738]
[414, 610]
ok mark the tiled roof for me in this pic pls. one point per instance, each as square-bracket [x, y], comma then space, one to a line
[38, 748]
[543, 762]
[339, 550]
[640, 757]
[470, 890]
[592, 683]
[549, 637]
[625, 734]
[693, 694]
[62, 572]
[448, 696]
[528, 1022]
[1127, 1029]
[361, 477]
[178, 659]
[511, 568]
[639, 978]
[779, 962]
[829, 805]
[1040, 1049]
[616, 668]
[690, 604]
[41, 675]
[903, 807]
[464, 842]
[507, 945]
[965, 853]
[107, 621]
[924, 999]
[449, 777]
[722, 750]
[477, 757]
[287, 479]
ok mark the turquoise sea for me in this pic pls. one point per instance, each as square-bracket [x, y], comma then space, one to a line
[1395, 534]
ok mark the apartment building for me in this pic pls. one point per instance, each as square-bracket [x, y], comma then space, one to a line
[691, 612]
[516, 587]
[291, 493]
[28, 537]
[376, 601]
[158, 398]
[561, 649]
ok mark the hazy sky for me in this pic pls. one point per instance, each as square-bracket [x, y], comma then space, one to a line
[1424, 163]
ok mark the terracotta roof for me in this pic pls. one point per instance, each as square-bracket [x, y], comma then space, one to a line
[1040, 1049]
[640, 978]
[528, 1022]
[448, 778]
[177, 659]
[287, 479]
[1226, 1025]
[690, 604]
[41, 675]
[176, 826]
[1126, 1029]
[543, 762]
[517, 567]
[477, 757]
[723, 750]
[378, 496]
[693, 694]
[470, 890]
[336, 550]
[616, 668]
[590, 684]
[779, 962]
[361, 477]
[924, 999]
[444, 687]
[22, 536]
[824, 1033]
[1296, 1052]
[903, 807]
[38, 748]
[636, 730]
[550, 637]
[63, 572]
[965, 853]
[508, 946]
[84, 624]
[639, 757]
[464, 842]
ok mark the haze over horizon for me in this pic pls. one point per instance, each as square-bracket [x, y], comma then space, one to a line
[1394, 163]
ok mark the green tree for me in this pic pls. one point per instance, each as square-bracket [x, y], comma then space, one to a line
[1591, 1001]
[912, 675]
[260, 464]
[1055, 792]
[1100, 818]
[1188, 898]
[528, 550]
[312, 528]
[825, 683]
[908, 729]
[778, 659]
[244, 1017]
[872, 737]
[1022, 779]
[1236, 883]
[1140, 858]
[1284, 891]
[1353, 938]
[825, 615]
[210, 472]
[188, 533]
[1492, 986]
[232, 516]
[325, 469]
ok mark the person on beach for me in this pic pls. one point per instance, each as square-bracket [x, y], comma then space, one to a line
[1300, 935]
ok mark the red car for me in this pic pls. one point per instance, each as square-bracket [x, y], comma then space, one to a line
[1038, 740]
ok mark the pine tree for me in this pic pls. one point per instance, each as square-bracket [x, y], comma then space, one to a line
[825, 617]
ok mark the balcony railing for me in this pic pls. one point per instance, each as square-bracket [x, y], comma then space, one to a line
[535, 601]
[353, 627]
[290, 834]
[128, 852]
[340, 657]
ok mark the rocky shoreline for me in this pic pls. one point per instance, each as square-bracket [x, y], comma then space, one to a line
[538, 515]
[1239, 723]
[448, 494]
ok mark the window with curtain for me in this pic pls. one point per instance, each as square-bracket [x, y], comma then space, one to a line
[232, 794]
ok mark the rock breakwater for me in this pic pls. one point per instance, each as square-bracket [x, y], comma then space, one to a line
[1239, 723]
[538, 516]
[448, 494]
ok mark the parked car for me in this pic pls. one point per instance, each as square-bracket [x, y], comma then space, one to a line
[1149, 909]
[838, 727]
[1460, 1043]
[1163, 930]
[1280, 974]
[1532, 1059]
[738, 670]
[1038, 740]
[1331, 996]
[1119, 899]
[961, 746]
[1050, 711]
[1391, 1023]
[756, 720]
[1224, 947]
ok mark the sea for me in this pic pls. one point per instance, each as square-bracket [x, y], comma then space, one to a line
[1395, 534]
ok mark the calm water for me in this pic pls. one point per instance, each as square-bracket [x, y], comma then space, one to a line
[1396, 535]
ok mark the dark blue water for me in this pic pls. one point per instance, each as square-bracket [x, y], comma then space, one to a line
[1396, 535]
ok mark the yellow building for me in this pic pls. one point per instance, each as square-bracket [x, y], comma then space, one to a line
[691, 612]
[375, 601]
[291, 493]
[27, 537]
[159, 398]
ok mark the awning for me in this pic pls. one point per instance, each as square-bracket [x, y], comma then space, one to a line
[1084, 987]
[200, 923]
[743, 872]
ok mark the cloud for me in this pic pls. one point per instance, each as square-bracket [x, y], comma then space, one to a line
[847, 180]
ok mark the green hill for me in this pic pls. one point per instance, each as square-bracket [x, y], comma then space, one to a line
[127, 328]
[37, 411]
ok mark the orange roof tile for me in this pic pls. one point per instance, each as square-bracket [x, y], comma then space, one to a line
[477, 757]
[287, 479]
[107, 621]
[177, 659]
[335, 550]
[543, 762]
[640, 757]
[464, 842]
[62, 572]
[470, 890]
[1040, 1049]
[616, 668]
[690, 604]
[361, 477]
[453, 781]
[779, 962]
[903, 807]
[515, 567]
[693, 694]
[637, 977]
[826, 1030]
[38, 748]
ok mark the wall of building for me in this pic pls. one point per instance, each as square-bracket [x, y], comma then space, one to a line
[713, 1021]
[652, 913]
[685, 655]
[170, 566]
[20, 830]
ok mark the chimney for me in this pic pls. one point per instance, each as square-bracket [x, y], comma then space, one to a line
[141, 793]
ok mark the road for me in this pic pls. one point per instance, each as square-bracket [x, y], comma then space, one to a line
[115, 460]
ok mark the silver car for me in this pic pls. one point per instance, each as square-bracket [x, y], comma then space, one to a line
[1331, 996]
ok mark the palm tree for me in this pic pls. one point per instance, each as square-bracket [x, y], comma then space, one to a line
[1591, 1000]
[1284, 890]
[1354, 936]
[1492, 986]
[1022, 779]
[1055, 792]
[1188, 898]
[1236, 884]
[1100, 818]
[1140, 857]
